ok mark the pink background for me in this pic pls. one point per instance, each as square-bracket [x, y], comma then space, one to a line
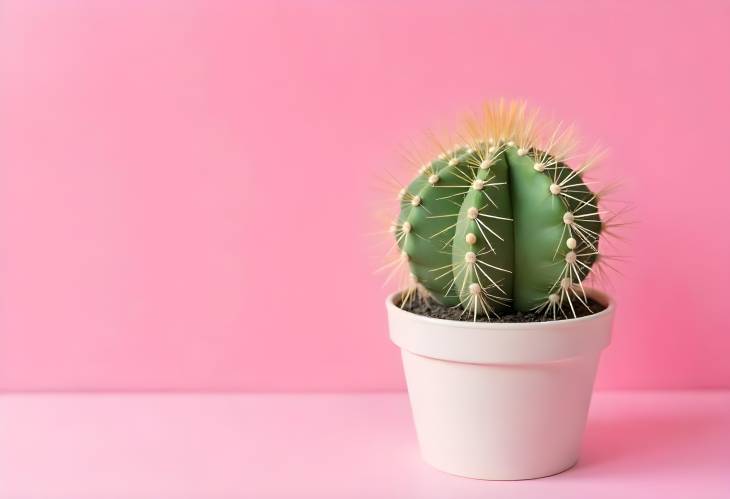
[185, 188]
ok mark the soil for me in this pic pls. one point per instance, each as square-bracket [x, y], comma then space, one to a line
[431, 308]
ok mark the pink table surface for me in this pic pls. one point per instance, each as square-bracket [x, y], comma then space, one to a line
[637, 444]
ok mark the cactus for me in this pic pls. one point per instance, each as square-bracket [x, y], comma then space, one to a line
[501, 222]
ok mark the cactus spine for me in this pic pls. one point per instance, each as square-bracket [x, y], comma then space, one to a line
[501, 222]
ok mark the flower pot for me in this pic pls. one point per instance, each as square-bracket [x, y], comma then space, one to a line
[500, 401]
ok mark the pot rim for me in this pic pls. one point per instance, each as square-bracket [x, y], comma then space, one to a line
[596, 294]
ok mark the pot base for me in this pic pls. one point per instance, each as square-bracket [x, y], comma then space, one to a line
[499, 478]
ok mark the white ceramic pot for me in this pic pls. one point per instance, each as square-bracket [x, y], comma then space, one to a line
[500, 401]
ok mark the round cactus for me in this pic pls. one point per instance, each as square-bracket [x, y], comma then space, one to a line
[501, 222]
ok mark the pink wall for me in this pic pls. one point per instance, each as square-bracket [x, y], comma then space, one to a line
[185, 187]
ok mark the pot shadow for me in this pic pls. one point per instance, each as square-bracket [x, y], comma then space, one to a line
[639, 443]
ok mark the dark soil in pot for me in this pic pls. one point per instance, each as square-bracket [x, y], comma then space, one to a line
[431, 308]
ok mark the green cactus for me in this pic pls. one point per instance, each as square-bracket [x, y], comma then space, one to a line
[499, 223]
